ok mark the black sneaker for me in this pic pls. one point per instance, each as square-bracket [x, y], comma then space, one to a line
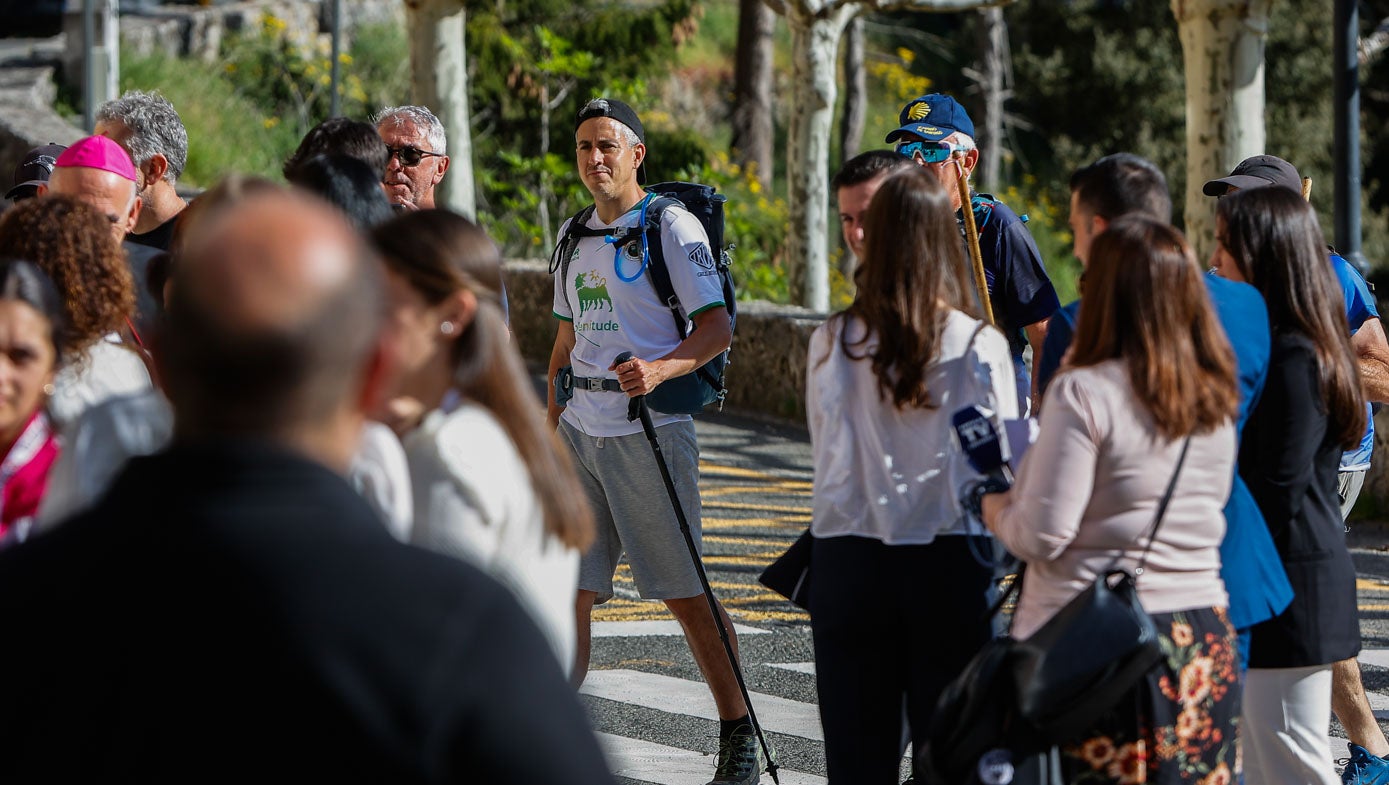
[738, 762]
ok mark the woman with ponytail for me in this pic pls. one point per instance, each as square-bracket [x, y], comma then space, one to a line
[491, 484]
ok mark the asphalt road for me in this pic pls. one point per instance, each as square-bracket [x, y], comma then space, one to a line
[645, 694]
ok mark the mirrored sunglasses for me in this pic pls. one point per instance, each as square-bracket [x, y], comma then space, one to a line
[930, 152]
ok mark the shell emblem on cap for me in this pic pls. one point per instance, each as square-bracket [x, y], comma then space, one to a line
[919, 111]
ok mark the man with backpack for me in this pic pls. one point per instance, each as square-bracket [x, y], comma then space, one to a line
[606, 300]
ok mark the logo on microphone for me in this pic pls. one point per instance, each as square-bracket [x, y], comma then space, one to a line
[975, 433]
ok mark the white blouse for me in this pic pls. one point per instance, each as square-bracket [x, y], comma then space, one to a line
[896, 475]
[474, 501]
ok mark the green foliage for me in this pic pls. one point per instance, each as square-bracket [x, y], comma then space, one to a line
[248, 113]
[1046, 221]
[227, 130]
[1095, 77]
[291, 81]
[754, 223]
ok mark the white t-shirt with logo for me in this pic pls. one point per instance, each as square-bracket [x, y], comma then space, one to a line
[609, 299]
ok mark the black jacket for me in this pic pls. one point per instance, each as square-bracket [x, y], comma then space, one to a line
[1289, 461]
[232, 612]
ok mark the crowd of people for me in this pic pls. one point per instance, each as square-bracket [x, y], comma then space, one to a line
[276, 485]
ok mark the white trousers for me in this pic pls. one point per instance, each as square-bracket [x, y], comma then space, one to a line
[1285, 719]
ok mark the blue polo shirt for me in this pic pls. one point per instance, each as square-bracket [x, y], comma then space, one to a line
[1360, 308]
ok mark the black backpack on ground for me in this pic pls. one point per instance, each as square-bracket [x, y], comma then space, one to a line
[687, 394]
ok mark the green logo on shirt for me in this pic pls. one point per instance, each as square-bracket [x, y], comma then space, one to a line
[593, 296]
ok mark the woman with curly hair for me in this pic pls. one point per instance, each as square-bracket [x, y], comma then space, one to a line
[72, 243]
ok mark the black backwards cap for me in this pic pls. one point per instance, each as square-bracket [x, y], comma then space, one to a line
[617, 110]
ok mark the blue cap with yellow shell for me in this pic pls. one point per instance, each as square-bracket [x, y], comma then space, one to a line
[933, 117]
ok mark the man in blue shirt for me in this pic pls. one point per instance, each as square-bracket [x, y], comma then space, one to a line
[1368, 747]
[933, 128]
[1123, 183]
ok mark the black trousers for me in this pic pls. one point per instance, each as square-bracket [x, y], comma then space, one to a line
[892, 624]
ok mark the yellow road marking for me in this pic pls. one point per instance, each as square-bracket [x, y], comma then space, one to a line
[759, 507]
[1366, 584]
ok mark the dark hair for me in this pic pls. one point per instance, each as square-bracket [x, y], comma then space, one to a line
[1274, 239]
[1146, 304]
[440, 253]
[1120, 184]
[913, 270]
[25, 282]
[867, 166]
[340, 136]
[71, 242]
[225, 377]
[347, 183]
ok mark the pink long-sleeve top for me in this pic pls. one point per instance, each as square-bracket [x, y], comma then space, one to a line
[1087, 491]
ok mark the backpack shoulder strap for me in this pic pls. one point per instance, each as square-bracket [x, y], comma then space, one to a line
[564, 249]
[656, 264]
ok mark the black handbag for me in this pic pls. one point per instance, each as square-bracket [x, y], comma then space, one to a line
[1003, 717]
[789, 575]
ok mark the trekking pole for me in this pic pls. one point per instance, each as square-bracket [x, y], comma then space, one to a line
[976, 256]
[637, 408]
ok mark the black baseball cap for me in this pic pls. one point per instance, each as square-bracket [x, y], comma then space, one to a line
[33, 170]
[1257, 172]
[619, 111]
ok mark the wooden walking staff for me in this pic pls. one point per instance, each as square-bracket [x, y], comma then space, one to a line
[976, 256]
[1307, 188]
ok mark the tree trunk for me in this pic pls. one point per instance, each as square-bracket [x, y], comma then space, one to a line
[814, 45]
[855, 115]
[993, 49]
[852, 121]
[439, 80]
[752, 89]
[1223, 53]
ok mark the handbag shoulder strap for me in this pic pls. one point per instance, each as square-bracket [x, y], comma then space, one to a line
[1162, 508]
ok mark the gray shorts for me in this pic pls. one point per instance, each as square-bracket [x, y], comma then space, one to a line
[1348, 485]
[632, 511]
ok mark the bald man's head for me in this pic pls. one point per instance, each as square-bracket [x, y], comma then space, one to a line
[274, 317]
[112, 195]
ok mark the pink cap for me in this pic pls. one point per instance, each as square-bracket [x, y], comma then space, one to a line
[99, 152]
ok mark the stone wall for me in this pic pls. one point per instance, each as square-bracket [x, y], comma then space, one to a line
[766, 372]
[27, 119]
[195, 31]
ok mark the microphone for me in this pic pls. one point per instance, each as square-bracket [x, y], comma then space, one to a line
[634, 404]
[987, 452]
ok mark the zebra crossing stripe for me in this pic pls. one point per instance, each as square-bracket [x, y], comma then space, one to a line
[634, 629]
[650, 762]
[692, 698]
[795, 667]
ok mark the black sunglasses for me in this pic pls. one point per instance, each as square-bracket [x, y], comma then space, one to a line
[409, 156]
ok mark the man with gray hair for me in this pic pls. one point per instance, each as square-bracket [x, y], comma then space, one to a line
[150, 130]
[416, 160]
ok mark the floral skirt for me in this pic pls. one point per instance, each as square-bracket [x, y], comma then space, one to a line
[1179, 723]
